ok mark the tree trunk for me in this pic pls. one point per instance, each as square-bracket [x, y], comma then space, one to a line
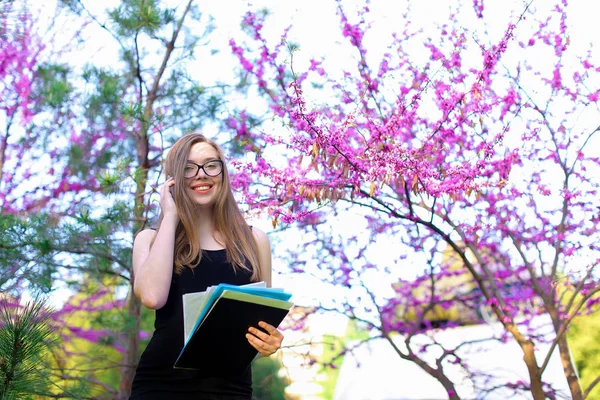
[130, 358]
[568, 367]
[134, 306]
[535, 377]
[565, 353]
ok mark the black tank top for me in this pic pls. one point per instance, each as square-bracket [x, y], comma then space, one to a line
[155, 377]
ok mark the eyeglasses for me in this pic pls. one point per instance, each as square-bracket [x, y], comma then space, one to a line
[210, 168]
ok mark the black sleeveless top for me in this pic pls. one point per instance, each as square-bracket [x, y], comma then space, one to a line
[155, 377]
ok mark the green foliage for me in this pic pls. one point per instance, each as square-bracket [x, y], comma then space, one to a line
[331, 359]
[25, 251]
[188, 104]
[25, 339]
[84, 365]
[54, 86]
[267, 383]
[133, 16]
[39, 248]
[585, 345]
[332, 345]
[107, 89]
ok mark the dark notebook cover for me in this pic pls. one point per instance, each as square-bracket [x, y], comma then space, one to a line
[219, 346]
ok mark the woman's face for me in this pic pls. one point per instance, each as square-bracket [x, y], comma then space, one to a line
[203, 188]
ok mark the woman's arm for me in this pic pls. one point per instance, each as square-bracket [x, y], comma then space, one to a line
[264, 254]
[153, 267]
[265, 343]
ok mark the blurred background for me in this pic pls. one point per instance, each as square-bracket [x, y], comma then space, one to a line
[427, 172]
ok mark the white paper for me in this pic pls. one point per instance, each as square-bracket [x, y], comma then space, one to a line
[191, 311]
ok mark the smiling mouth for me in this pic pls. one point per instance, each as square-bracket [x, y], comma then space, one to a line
[201, 188]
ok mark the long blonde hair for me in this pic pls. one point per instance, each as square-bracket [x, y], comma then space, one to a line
[235, 233]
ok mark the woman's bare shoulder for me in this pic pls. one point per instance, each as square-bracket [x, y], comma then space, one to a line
[144, 236]
[260, 236]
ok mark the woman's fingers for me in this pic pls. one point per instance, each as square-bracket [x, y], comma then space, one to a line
[259, 334]
[274, 339]
[263, 347]
[265, 343]
[167, 202]
[169, 183]
[271, 329]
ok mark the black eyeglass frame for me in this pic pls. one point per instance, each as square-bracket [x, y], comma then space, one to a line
[201, 167]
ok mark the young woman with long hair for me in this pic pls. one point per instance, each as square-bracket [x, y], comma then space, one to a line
[201, 240]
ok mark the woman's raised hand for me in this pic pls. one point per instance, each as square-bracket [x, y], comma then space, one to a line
[167, 202]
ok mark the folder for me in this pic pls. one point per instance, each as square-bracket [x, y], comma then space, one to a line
[216, 322]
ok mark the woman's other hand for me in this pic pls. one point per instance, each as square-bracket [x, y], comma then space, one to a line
[265, 343]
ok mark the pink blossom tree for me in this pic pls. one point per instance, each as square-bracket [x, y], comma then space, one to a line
[18, 63]
[476, 149]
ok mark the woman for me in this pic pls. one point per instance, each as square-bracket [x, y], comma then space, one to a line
[202, 240]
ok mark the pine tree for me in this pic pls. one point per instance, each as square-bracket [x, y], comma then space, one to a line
[25, 339]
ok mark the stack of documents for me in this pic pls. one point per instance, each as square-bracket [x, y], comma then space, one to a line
[216, 322]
